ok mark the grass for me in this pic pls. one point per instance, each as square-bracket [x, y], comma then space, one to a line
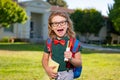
[21, 47]
[101, 66]
[21, 62]
[20, 65]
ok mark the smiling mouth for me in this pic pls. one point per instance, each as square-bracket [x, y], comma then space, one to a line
[59, 30]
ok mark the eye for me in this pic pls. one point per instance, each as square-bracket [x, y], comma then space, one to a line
[61, 23]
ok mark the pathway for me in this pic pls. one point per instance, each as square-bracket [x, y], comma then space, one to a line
[97, 47]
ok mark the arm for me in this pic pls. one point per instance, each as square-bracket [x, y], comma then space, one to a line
[45, 60]
[76, 61]
[49, 70]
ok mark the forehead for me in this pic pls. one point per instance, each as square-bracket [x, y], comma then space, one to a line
[58, 18]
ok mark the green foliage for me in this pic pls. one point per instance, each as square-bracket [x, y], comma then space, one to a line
[114, 14]
[5, 39]
[87, 20]
[11, 12]
[60, 3]
[108, 39]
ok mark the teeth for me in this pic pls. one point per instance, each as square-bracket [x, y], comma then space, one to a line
[60, 30]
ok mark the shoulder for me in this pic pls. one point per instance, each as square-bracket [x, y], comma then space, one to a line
[48, 44]
[75, 40]
[76, 45]
[49, 40]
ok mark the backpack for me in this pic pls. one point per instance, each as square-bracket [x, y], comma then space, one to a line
[74, 47]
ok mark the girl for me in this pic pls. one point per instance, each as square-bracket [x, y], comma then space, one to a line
[60, 28]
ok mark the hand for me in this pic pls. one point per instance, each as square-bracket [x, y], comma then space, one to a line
[68, 54]
[50, 72]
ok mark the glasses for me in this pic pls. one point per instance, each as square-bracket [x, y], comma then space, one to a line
[56, 24]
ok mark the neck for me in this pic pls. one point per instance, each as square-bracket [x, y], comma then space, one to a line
[59, 38]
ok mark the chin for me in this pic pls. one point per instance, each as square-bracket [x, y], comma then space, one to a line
[60, 36]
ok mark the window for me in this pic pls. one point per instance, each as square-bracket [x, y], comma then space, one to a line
[9, 29]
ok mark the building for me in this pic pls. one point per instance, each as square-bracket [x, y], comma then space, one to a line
[36, 26]
[35, 29]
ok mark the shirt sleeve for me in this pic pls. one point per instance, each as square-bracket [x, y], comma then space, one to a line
[46, 49]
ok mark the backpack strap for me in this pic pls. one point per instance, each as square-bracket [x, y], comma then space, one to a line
[74, 45]
[49, 45]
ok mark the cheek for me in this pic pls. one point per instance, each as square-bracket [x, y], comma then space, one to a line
[53, 29]
[66, 28]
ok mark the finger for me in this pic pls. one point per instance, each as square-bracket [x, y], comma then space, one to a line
[66, 53]
[53, 67]
[54, 75]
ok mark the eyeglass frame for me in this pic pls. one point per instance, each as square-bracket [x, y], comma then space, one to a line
[61, 23]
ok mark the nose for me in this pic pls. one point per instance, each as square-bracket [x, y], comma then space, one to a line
[59, 25]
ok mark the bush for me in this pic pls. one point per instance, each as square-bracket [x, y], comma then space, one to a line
[108, 39]
[5, 39]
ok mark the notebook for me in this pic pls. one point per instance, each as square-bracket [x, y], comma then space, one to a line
[51, 63]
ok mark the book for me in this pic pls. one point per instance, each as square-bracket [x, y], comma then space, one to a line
[51, 63]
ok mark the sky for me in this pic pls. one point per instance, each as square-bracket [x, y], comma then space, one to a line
[100, 5]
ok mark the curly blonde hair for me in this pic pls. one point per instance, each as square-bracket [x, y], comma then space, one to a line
[70, 32]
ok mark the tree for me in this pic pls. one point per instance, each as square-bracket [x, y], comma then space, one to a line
[114, 14]
[87, 21]
[11, 12]
[60, 3]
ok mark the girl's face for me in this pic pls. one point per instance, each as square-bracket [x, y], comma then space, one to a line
[59, 25]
